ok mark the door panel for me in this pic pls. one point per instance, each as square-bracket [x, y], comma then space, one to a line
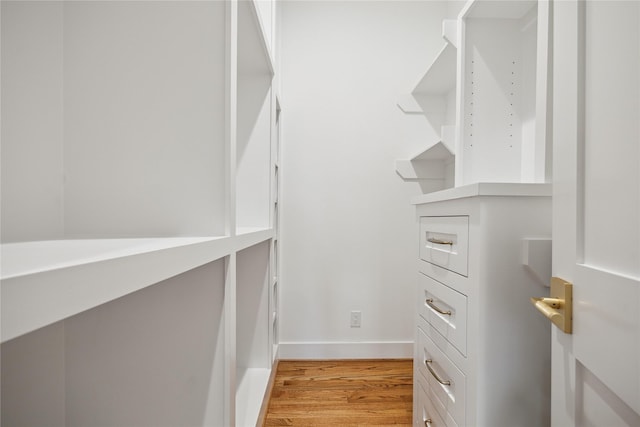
[598, 406]
[606, 330]
[607, 292]
[611, 136]
[596, 211]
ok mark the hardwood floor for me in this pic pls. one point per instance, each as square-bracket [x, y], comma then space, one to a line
[341, 393]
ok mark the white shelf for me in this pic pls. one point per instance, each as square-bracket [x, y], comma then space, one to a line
[252, 234]
[43, 282]
[434, 163]
[250, 394]
[429, 94]
[428, 164]
[490, 189]
[440, 77]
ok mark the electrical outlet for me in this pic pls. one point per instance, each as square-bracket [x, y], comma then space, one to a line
[356, 319]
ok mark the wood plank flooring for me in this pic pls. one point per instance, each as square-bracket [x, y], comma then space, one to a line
[341, 393]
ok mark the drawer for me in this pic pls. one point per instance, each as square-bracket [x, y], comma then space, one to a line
[445, 309]
[446, 383]
[444, 241]
[426, 415]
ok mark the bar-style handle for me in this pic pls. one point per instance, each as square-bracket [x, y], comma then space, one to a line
[427, 422]
[430, 303]
[559, 306]
[428, 363]
[439, 241]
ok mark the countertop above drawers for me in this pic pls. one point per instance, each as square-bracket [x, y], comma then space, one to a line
[485, 189]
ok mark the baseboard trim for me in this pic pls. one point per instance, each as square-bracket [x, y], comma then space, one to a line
[344, 350]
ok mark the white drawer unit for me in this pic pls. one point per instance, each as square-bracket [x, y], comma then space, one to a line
[444, 241]
[427, 415]
[445, 309]
[482, 351]
[445, 381]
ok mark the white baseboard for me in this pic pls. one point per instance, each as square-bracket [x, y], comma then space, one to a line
[345, 350]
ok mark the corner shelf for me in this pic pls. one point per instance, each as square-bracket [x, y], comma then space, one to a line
[434, 97]
[433, 164]
[441, 75]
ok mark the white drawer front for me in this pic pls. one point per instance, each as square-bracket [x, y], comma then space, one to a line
[444, 241]
[446, 383]
[445, 309]
[427, 415]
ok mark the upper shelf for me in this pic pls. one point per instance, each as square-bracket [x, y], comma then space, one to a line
[439, 79]
[43, 282]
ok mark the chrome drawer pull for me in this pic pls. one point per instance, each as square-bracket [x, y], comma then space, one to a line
[436, 376]
[440, 242]
[427, 422]
[430, 303]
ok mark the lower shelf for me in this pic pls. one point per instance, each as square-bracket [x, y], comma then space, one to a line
[250, 394]
[43, 282]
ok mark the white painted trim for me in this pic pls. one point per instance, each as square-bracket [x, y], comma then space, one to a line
[346, 350]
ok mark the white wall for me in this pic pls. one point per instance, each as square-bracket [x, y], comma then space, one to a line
[349, 239]
[32, 96]
[107, 132]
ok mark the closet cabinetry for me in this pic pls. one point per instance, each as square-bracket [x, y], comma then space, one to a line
[481, 351]
[137, 226]
[486, 94]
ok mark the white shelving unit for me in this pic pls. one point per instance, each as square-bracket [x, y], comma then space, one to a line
[136, 171]
[487, 90]
[503, 103]
[501, 157]
[434, 96]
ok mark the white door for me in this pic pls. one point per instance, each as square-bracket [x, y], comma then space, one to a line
[596, 213]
